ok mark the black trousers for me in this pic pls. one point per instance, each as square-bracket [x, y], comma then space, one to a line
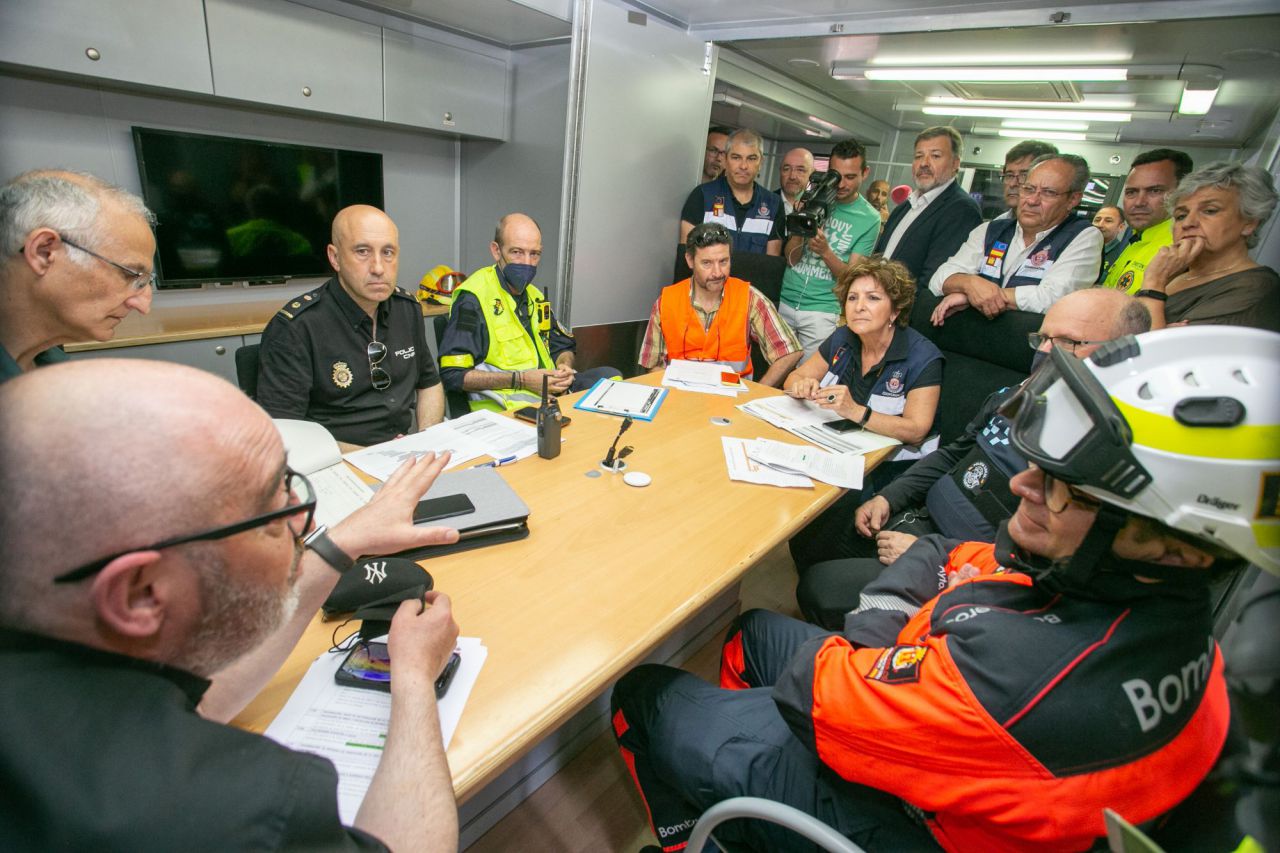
[690, 745]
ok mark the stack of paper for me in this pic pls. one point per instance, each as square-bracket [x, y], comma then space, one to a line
[839, 469]
[705, 377]
[467, 437]
[310, 449]
[348, 725]
[807, 420]
[742, 467]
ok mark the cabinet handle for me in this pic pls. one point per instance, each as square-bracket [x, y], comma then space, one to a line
[306, 91]
[93, 54]
[220, 350]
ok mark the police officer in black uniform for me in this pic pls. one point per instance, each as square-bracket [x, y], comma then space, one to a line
[352, 354]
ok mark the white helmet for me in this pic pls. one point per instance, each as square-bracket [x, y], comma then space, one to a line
[1180, 425]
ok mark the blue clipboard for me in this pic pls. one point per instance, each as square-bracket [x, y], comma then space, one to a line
[597, 400]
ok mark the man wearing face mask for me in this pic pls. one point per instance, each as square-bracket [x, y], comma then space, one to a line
[961, 490]
[502, 339]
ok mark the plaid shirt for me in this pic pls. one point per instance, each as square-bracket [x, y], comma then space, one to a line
[767, 330]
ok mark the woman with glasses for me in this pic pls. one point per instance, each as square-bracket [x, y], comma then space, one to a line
[878, 374]
[1207, 276]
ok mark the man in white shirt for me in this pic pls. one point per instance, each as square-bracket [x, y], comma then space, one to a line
[924, 231]
[1031, 263]
[793, 176]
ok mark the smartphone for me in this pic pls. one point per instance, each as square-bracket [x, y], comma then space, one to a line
[843, 425]
[368, 666]
[434, 509]
[530, 414]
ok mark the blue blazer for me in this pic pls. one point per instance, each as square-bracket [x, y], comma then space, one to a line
[936, 235]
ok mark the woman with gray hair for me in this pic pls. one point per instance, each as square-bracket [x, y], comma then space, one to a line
[1207, 276]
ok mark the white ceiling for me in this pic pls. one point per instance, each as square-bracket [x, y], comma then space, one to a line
[1244, 48]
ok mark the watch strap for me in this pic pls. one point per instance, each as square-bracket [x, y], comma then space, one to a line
[325, 548]
[1158, 295]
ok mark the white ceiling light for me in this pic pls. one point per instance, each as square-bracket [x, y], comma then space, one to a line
[1003, 59]
[979, 74]
[1025, 124]
[1049, 115]
[1044, 134]
[1088, 102]
[1197, 97]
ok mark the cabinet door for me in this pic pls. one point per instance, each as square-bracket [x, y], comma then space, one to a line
[442, 87]
[152, 42]
[216, 355]
[274, 52]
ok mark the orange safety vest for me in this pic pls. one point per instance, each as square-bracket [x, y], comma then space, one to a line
[728, 340]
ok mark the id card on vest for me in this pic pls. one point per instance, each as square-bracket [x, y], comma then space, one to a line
[1036, 265]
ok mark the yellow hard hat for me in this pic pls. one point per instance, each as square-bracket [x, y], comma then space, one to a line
[438, 285]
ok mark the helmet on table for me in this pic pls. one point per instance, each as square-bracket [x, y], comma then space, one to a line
[439, 284]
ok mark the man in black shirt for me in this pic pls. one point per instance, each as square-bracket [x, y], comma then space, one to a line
[154, 581]
[752, 214]
[352, 354]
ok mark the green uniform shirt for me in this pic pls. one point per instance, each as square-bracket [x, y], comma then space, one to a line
[850, 228]
[9, 368]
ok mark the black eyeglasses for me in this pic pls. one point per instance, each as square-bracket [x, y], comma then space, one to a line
[1036, 340]
[138, 279]
[1047, 193]
[376, 352]
[1074, 496]
[296, 485]
[1014, 177]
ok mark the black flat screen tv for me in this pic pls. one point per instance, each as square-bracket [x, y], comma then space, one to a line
[244, 210]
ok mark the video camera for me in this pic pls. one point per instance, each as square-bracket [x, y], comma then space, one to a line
[814, 205]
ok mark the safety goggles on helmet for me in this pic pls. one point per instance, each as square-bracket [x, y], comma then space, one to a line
[439, 283]
[1064, 421]
[1180, 425]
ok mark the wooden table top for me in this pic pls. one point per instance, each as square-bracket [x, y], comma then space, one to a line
[169, 323]
[607, 573]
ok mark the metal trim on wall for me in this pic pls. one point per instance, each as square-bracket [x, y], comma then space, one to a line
[562, 299]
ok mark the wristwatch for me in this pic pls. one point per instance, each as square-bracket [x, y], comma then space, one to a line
[318, 540]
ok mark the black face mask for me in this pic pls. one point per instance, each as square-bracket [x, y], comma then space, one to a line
[517, 276]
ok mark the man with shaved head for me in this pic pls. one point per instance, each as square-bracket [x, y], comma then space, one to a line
[502, 337]
[154, 579]
[77, 257]
[352, 354]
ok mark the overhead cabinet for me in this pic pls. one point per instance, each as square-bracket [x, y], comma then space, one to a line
[148, 42]
[437, 86]
[294, 56]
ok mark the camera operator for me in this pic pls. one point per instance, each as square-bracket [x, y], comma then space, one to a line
[808, 302]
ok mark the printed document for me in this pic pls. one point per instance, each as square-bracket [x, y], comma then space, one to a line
[839, 469]
[348, 725]
[807, 420]
[742, 467]
[310, 449]
[629, 399]
[467, 437]
[705, 377]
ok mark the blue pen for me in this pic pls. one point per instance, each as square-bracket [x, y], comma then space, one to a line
[506, 460]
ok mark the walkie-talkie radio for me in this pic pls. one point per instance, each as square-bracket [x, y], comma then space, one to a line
[548, 422]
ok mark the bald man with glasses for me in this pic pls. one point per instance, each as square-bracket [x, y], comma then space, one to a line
[158, 569]
[78, 260]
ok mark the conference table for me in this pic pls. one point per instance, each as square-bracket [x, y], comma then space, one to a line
[607, 573]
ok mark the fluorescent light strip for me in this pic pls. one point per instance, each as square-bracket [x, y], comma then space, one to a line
[1094, 102]
[995, 74]
[1196, 102]
[1024, 124]
[1048, 115]
[1044, 134]
[1035, 59]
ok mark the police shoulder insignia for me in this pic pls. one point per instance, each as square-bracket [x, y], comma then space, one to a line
[563, 330]
[898, 665]
[342, 374]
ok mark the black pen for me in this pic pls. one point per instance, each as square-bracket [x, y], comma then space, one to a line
[649, 402]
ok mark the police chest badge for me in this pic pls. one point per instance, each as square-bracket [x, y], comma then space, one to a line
[895, 386]
[975, 477]
[497, 307]
[341, 374]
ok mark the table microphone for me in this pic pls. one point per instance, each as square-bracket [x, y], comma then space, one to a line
[548, 422]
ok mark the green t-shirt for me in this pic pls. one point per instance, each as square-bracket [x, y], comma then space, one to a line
[850, 228]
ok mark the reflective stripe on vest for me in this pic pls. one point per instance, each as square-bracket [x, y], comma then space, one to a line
[728, 339]
[1000, 234]
[512, 347]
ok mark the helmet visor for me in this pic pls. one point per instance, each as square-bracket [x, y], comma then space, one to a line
[1063, 420]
